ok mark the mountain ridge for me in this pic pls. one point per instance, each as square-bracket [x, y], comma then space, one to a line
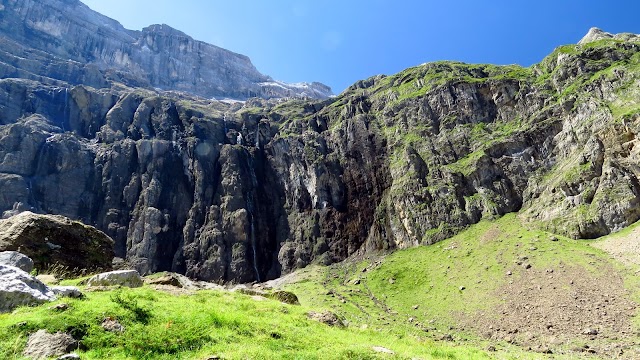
[77, 45]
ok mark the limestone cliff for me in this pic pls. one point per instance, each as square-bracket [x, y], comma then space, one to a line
[248, 191]
[63, 41]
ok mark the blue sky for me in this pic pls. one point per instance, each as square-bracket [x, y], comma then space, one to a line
[338, 42]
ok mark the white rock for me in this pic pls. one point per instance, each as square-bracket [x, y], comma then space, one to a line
[69, 357]
[128, 278]
[18, 288]
[16, 259]
[594, 34]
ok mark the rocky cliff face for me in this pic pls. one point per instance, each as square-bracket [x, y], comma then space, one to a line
[63, 41]
[248, 191]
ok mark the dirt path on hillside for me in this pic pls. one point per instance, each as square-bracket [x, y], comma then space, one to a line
[566, 309]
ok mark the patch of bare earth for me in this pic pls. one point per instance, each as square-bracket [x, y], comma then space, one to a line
[173, 290]
[625, 248]
[491, 234]
[562, 309]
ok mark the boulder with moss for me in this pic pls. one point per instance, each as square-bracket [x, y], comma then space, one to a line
[57, 240]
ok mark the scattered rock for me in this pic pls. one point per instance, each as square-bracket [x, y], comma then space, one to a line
[392, 281]
[446, 337]
[18, 288]
[285, 297]
[590, 331]
[326, 317]
[67, 291]
[543, 350]
[71, 356]
[526, 266]
[127, 278]
[54, 239]
[383, 350]
[101, 288]
[491, 348]
[462, 288]
[415, 307]
[60, 307]
[553, 238]
[243, 289]
[42, 345]
[166, 279]
[112, 325]
[14, 258]
[356, 282]
[172, 279]
[509, 273]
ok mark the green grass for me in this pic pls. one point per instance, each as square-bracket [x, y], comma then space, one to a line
[230, 325]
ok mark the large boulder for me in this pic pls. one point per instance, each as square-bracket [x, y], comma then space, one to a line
[16, 259]
[54, 239]
[18, 288]
[127, 278]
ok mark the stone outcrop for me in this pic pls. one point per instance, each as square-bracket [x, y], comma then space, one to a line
[57, 240]
[249, 191]
[61, 42]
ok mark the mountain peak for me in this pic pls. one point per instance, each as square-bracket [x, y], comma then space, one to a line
[595, 34]
[163, 29]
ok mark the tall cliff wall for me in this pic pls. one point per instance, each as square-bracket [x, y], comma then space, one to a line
[252, 190]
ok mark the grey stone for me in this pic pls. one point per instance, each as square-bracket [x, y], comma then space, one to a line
[14, 258]
[112, 325]
[67, 291]
[127, 278]
[326, 317]
[42, 345]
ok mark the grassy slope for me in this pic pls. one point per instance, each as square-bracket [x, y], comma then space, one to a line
[230, 325]
[386, 292]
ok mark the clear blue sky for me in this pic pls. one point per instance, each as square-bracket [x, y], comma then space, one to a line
[338, 42]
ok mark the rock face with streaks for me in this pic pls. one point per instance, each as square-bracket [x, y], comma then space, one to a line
[249, 191]
[61, 42]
